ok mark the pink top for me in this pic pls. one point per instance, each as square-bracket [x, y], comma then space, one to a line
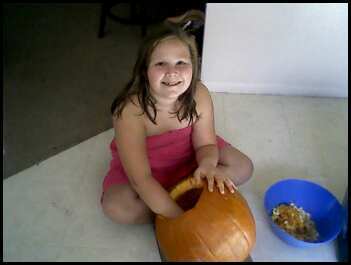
[171, 157]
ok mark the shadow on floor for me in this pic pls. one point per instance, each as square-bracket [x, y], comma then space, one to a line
[59, 78]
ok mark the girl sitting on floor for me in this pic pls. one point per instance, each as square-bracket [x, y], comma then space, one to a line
[164, 132]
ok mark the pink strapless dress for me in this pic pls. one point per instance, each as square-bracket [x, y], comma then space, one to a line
[171, 157]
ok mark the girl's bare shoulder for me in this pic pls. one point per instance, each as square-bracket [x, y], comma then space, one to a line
[131, 115]
[131, 108]
[202, 96]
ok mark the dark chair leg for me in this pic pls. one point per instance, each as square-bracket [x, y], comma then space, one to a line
[103, 16]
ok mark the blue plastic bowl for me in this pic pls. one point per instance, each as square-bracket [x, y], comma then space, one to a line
[324, 209]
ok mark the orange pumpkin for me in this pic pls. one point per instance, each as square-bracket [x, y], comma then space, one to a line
[214, 226]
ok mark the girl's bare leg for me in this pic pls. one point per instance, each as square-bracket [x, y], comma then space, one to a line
[236, 164]
[123, 205]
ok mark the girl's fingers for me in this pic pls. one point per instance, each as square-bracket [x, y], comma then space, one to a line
[197, 180]
[210, 180]
[197, 177]
[220, 185]
[193, 180]
[230, 185]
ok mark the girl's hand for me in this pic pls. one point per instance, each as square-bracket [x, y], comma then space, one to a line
[214, 174]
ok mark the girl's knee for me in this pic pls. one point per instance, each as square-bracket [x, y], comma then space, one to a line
[113, 211]
[124, 215]
[240, 163]
[244, 170]
[248, 168]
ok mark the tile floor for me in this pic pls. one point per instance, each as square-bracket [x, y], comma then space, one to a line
[51, 211]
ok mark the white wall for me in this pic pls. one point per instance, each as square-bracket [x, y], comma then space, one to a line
[286, 49]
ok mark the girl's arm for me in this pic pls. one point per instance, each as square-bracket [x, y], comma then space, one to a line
[204, 135]
[205, 144]
[130, 136]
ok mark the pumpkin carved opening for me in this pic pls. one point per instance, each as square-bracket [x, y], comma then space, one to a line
[188, 199]
[180, 242]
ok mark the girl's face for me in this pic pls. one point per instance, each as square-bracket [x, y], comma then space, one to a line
[170, 69]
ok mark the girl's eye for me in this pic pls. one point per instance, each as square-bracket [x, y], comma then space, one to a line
[181, 63]
[160, 64]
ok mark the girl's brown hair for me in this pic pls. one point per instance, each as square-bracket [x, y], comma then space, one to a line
[139, 84]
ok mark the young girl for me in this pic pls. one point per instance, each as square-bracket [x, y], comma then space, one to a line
[164, 132]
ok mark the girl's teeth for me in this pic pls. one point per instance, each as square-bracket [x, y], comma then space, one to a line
[171, 84]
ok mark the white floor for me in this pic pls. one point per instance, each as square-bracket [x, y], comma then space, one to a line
[51, 211]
